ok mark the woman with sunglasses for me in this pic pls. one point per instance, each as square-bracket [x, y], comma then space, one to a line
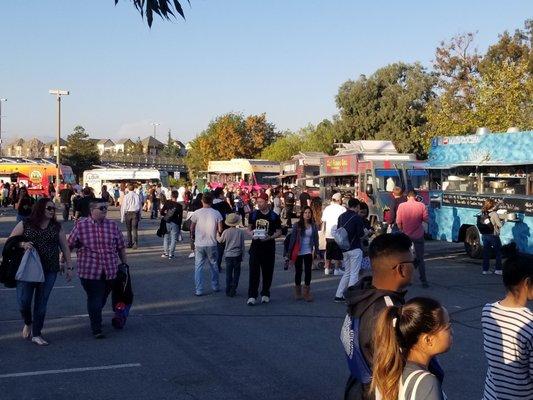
[42, 232]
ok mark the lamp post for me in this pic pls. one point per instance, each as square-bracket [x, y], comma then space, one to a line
[58, 93]
[1, 100]
[155, 125]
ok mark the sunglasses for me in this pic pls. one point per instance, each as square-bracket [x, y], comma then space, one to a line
[50, 208]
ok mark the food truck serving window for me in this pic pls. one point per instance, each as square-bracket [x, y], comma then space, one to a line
[418, 179]
[387, 179]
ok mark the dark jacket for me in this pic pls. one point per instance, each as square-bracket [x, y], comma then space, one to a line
[296, 234]
[354, 225]
[11, 257]
[396, 201]
[365, 302]
[177, 217]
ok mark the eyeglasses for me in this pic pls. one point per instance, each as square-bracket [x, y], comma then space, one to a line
[50, 208]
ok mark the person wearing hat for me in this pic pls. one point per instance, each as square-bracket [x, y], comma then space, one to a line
[330, 216]
[233, 238]
[265, 228]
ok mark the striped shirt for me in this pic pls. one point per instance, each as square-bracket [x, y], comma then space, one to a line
[508, 345]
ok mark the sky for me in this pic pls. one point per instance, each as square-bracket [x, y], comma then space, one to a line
[285, 58]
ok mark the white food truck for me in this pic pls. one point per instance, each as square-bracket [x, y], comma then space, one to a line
[95, 178]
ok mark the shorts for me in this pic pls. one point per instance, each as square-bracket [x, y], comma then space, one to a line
[333, 251]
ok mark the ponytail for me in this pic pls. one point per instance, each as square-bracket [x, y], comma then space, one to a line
[389, 360]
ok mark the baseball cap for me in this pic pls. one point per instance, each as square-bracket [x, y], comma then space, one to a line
[336, 197]
[263, 196]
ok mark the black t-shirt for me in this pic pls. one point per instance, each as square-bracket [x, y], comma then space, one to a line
[288, 198]
[224, 209]
[83, 207]
[270, 221]
[65, 195]
[177, 217]
[25, 206]
[304, 199]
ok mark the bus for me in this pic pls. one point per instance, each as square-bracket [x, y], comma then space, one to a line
[244, 173]
[369, 170]
[96, 178]
[467, 170]
[38, 175]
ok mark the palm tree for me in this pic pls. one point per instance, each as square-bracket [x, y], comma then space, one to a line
[164, 8]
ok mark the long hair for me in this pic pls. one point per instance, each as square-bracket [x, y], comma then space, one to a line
[37, 213]
[316, 207]
[301, 221]
[397, 331]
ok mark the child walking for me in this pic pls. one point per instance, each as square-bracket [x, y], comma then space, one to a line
[508, 335]
[406, 340]
[233, 252]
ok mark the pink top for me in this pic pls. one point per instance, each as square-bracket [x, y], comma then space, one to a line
[410, 216]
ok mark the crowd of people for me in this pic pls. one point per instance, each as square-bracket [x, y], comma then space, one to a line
[391, 343]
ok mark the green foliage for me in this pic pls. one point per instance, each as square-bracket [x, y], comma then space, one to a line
[170, 149]
[284, 148]
[81, 153]
[230, 136]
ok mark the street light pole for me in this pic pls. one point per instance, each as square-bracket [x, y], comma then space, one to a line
[155, 125]
[58, 93]
[1, 100]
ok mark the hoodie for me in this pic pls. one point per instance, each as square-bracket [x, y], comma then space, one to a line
[365, 302]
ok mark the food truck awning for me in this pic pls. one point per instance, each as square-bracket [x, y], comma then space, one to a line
[335, 174]
[287, 175]
[477, 164]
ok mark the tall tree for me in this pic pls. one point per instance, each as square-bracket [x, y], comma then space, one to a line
[81, 153]
[283, 148]
[166, 9]
[388, 105]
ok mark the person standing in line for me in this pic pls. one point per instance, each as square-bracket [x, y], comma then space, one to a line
[154, 203]
[196, 204]
[65, 197]
[508, 335]
[105, 194]
[276, 202]
[130, 212]
[172, 213]
[265, 228]
[116, 195]
[42, 232]
[222, 206]
[288, 205]
[233, 238]
[397, 199]
[205, 224]
[490, 228]
[82, 207]
[410, 218]
[24, 204]
[304, 238]
[352, 257]
[305, 199]
[330, 217]
[99, 245]
[407, 338]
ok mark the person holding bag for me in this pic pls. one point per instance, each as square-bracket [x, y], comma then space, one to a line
[302, 247]
[43, 233]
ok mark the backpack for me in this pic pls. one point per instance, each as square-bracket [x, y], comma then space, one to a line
[341, 236]
[484, 224]
[170, 213]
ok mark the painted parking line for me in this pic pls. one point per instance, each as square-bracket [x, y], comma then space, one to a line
[55, 287]
[69, 370]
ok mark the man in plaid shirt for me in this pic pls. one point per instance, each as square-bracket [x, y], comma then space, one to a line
[99, 244]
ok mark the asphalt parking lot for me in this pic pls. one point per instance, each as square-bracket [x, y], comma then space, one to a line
[178, 346]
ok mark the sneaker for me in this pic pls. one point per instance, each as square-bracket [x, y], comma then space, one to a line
[251, 301]
[197, 294]
[339, 299]
[327, 271]
[338, 272]
[99, 335]
[265, 299]
[180, 238]
[164, 255]
[498, 271]
[486, 272]
[191, 255]
[38, 340]
[26, 332]
[170, 256]
[134, 247]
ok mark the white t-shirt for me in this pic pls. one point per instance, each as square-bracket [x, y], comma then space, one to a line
[181, 193]
[205, 232]
[330, 216]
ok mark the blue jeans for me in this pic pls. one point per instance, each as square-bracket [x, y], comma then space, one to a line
[155, 209]
[97, 292]
[205, 255]
[491, 242]
[233, 272]
[25, 295]
[170, 239]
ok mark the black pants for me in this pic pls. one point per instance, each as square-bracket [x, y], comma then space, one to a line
[261, 263]
[289, 215]
[132, 224]
[233, 272]
[66, 211]
[220, 248]
[97, 292]
[241, 212]
[303, 261]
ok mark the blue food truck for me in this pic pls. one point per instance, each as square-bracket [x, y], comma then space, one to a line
[465, 171]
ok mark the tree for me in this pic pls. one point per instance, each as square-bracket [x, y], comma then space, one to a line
[389, 105]
[166, 9]
[283, 148]
[170, 149]
[322, 137]
[81, 153]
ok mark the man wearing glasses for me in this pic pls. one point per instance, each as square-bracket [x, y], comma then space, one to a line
[392, 259]
[99, 245]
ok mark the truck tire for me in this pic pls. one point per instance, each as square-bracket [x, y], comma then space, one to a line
[473, 246]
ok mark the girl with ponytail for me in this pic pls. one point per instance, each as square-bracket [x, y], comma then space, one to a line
[405, 341]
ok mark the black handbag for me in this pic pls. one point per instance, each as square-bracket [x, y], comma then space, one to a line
[162, 231]
[186, 225]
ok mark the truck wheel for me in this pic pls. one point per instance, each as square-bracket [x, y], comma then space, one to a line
[473, 246]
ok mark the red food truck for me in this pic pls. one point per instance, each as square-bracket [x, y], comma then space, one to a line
[301, 172]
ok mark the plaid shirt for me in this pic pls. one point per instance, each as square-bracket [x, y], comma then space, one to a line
[98, 246]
